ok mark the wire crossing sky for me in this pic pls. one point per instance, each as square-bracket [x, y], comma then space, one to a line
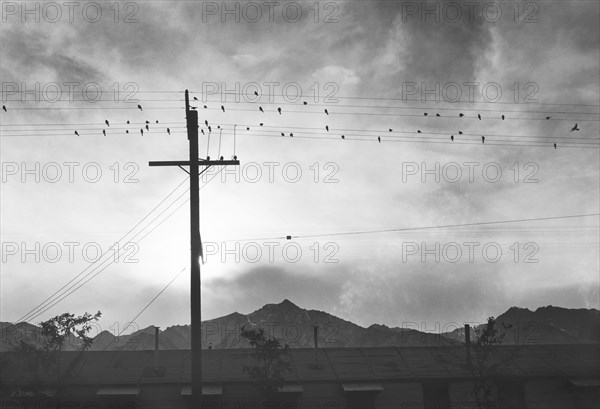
[398, 164]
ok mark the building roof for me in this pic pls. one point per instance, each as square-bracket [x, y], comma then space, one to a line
[344, 365]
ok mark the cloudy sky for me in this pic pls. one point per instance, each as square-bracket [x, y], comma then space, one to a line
[377, 67]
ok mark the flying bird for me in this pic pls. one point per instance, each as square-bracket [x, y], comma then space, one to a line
[140, 107]
[575, 128]
[326, 112]
[279, 110]
[479, 116]
[482, 139]
[452, 138]
[461, 115]
[260, 109]
[106, 122]
[168, 131]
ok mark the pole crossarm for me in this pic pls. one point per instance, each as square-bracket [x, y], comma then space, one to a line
[201, 162]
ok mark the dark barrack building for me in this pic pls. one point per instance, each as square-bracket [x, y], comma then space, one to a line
[535, 377]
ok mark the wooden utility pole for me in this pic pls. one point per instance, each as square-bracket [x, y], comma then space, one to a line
[194, 164]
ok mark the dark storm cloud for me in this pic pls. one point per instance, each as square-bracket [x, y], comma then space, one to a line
[256, 287]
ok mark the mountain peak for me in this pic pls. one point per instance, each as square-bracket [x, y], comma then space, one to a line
[287, 303]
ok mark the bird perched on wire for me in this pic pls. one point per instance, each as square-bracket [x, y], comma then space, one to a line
[279, 110]
[104, 132]
[503, 117]
[76, 133]
[4, 108]
[418, 131]
[260, 109]
[106, 122]
[142, 132]
[168, 131]
[482, 139]
[222, 108]
[452, 138]
[326, 112]
[140, 107]
[555, 145]
[461, 115]
[479, 116]
[379, 139]
[343, 137]
[327, 128]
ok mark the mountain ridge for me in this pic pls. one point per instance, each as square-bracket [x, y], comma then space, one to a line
[294, 325]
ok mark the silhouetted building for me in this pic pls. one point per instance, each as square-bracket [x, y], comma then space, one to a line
[535, 377]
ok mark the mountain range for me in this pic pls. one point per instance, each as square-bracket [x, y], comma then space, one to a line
[296, 327]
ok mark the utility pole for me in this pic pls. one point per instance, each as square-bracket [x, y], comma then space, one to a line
[196, 243]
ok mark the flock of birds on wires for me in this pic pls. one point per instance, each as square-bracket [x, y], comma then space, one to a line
[328, 132]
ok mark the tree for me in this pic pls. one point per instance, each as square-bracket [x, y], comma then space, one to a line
[61, 327]
[271, 360]
[39, 363]
[487, 361]
[66, 325]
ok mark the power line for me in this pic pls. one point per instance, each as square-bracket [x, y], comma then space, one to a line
[146, 307]
[87, 278]
[403, 229]
[34, 310]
